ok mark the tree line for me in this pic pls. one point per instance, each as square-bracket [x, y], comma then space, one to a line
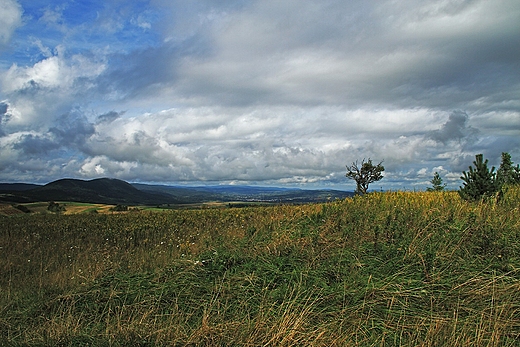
[481, 181]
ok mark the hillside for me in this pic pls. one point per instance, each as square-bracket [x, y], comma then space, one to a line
[102, 190]
[386, 269]
[17, 187]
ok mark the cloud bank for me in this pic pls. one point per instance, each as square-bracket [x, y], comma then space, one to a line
[257, 92]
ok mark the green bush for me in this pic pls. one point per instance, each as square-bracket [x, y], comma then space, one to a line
[119, 208]
[55, 207]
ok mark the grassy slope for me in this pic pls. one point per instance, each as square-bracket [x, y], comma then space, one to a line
[42, 208]
[388, 269]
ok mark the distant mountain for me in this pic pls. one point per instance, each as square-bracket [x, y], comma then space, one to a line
[182, 195]
[114, 191]
[15, 192]
[101, 190]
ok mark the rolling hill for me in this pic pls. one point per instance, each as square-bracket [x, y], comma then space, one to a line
[114, 191]
[101, 190]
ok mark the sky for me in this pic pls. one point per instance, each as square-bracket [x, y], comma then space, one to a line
[259, 92]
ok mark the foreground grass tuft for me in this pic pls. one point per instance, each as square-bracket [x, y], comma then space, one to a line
[387, 269]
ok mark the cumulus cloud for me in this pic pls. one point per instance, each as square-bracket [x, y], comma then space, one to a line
[69, 133]
[51, 73]
[50, 87]
[217, 144]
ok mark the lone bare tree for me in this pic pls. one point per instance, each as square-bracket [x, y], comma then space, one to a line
[365, 174]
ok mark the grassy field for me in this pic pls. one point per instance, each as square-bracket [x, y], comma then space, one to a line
[8, 209]
[387, 269]
[42, 208]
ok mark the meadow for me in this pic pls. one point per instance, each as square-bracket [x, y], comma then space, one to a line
[385, 269]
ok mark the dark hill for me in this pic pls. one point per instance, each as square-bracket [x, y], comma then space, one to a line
[101, 190]
[17, 187]
[114, 191]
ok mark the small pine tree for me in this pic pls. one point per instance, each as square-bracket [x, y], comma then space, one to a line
[507, 173]
[438, 186]
[479, 182]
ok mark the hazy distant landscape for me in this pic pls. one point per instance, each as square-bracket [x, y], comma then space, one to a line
[113, 191]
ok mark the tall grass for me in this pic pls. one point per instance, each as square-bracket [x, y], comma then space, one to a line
[387, 269]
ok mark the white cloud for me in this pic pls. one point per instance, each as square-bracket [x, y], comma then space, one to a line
[53, 16]
[44, 91]
[53, 72]
[217, 144]
[142, 21]
[10, 19]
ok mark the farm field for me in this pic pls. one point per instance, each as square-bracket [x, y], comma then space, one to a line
[386, 269]
[8, 209]
[42, 207]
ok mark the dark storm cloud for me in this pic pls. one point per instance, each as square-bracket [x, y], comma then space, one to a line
[32, 145]
[3, 108]
[109, 117]
[4, 116]
[497, 146]
[70, 132]
[455, 129]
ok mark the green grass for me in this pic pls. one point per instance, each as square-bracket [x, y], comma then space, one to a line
[387, 269]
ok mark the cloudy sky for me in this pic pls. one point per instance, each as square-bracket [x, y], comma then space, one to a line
[267, 92]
